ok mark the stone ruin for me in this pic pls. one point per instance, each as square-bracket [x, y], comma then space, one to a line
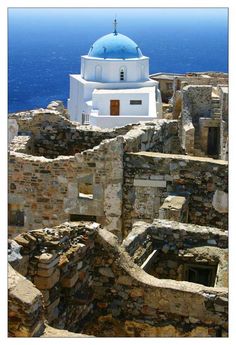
[78, 277]
[200, 102]
[115, 232]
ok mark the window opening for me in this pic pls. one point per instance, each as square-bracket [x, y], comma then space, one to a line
[135, 102]
[122, 74]
[15, 215]
[81, 217]
[201, 274]
[86, 187]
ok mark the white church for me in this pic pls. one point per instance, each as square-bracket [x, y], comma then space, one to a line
[114, 88]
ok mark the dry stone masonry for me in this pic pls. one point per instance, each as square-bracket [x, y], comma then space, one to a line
[87, 282]
[58, 262]
[49, 191]
[151, 177]
[121, 232]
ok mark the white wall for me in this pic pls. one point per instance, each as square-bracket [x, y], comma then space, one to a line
[72, 103]
[136, 69]
[76, 104]
[82, 91]
[101, 101]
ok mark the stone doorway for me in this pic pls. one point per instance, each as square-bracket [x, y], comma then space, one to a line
[213, 141]
[115, 107]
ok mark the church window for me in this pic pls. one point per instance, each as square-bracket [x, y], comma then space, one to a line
[98, 73]
[135, 101]
[122, 73]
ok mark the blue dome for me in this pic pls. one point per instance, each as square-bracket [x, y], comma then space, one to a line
[115, 46]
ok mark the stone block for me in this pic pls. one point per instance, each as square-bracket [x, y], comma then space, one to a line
[168, 177]
[45, 258]
[79, 265]
[46, 296]
[49, 265]
[106, 271]
[124, 280]
[136, 292]
[47, 282]
[53, 315]
[199, 332]
[157, 177]
[70, 280]
[212, 242]
[52, 306]
[149, 183]
[45, 272]
[220, 201]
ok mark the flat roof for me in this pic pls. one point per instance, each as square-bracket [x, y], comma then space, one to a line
[171, 76]
[147, 89]
[166, 76]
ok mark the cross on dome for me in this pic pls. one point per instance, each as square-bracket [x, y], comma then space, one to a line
[115, 26]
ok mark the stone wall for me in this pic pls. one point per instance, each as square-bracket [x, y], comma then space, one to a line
[150, 177]
[22, 143]
[175, 244]
[58, 262]
[48, 190]
[187, 131]
[89, 283]
[40, 186]
[198, 99]
[25, 307]
[212, 79]
[204, 109]
[223, 91]
[160, 136]
[175, 266]
[33, 121]
[52, 134]
[130, 302]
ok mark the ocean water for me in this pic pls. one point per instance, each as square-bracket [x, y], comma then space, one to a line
[45, 45]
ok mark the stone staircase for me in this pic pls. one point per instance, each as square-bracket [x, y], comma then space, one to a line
[215, 104]
[215, 108]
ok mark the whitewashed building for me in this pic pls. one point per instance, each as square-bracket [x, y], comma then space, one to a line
[114, 88]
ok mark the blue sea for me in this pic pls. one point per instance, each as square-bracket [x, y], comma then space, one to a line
[45, 45]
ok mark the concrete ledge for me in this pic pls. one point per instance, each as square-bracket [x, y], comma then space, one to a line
[178, 157]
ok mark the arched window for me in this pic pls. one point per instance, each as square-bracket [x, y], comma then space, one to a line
[142, 72]
[122, 73]
[98, 73]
